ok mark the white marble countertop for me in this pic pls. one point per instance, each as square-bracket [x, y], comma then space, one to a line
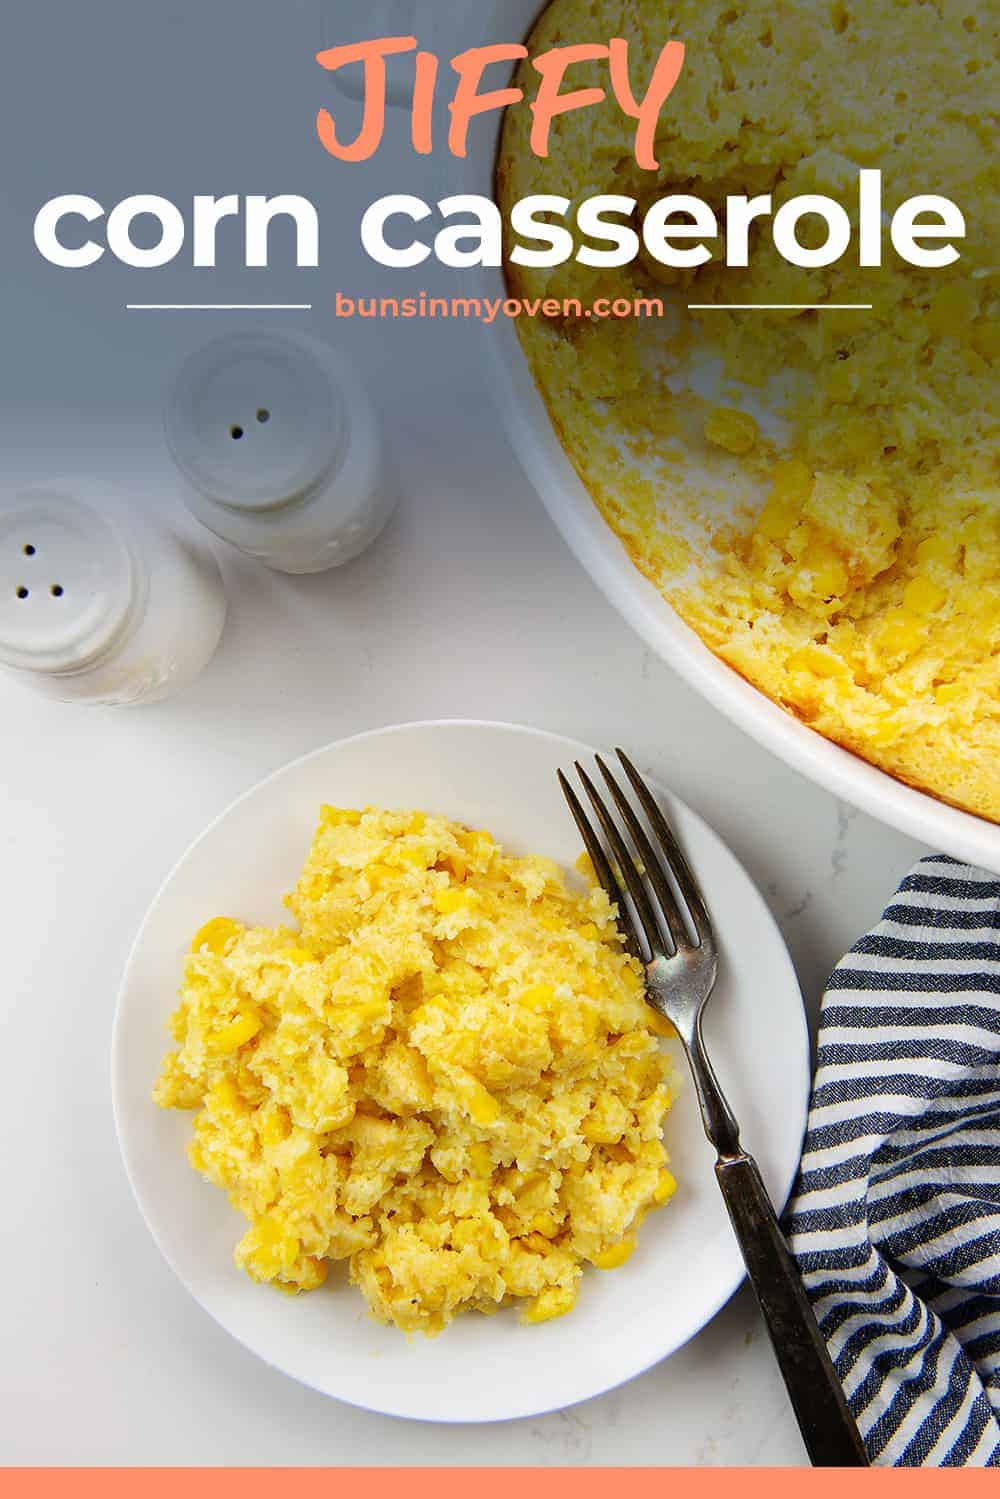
[469, 606]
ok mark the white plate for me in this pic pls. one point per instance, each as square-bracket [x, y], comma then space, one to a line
[482, 1368]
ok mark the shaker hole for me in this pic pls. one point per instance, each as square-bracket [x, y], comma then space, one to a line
[57, 590]
[263, 415]
[29, 550]
[236, 433]
[22, 593]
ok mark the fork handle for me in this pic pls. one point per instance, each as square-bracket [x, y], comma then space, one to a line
[828, 1428]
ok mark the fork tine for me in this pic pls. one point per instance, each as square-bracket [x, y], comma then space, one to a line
[676, 862]
[654, 871]
[602, 867]
[626, 863]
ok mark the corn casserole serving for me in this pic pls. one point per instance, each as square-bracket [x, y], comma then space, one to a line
[814, 492]
[446, 1074]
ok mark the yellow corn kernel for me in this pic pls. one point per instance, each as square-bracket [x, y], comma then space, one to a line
[236, 1034]
[884, 731]
[589, 932]
[584, 866]
[336, 817]
[267, 1232]
[477, 844]
[217, 934]
[381, 875]
[417, 822]
[790, 486]
[275, 1127]
[777, 519]
[451, 900]
[901, 633]
[607, 1121]
[538, 996]
[456, 864]
[274, 1247]
[296, 955]
[554, 1301]
[792, 481]
[223, 1097]
[314, 886]
[408, 854]
[949, 692]
[369, 1009]
[830, 578]
[665, 1187]
[821, 662]
[536, 1242]
[734, 431]
[483, 1107]
[482, 1161]
[922, 596]
[545, 1224]
[616, 1256]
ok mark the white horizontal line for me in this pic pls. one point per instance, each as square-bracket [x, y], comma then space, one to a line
[780, 306]
[218, 306]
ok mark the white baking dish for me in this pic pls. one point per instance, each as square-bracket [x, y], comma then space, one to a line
[923, 817]
[591, 539]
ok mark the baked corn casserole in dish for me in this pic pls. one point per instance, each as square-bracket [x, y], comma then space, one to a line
[445, 1074]
[815, 493]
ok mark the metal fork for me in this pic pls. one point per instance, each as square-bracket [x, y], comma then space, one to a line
[680, 976]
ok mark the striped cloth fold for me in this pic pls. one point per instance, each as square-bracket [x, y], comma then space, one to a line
[895, 1219]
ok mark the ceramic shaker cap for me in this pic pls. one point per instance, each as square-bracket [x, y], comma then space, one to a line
[66, 581]
[254, 421]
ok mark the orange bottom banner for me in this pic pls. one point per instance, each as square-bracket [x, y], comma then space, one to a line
[472, 1483]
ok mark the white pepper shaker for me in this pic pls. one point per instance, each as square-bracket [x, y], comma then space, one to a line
[279, 448]
[99, 604]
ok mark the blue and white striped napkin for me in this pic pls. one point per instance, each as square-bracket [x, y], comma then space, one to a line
[895, 1220]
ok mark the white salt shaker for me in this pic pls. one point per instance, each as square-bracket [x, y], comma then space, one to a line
[279, 448]
[99, 604]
